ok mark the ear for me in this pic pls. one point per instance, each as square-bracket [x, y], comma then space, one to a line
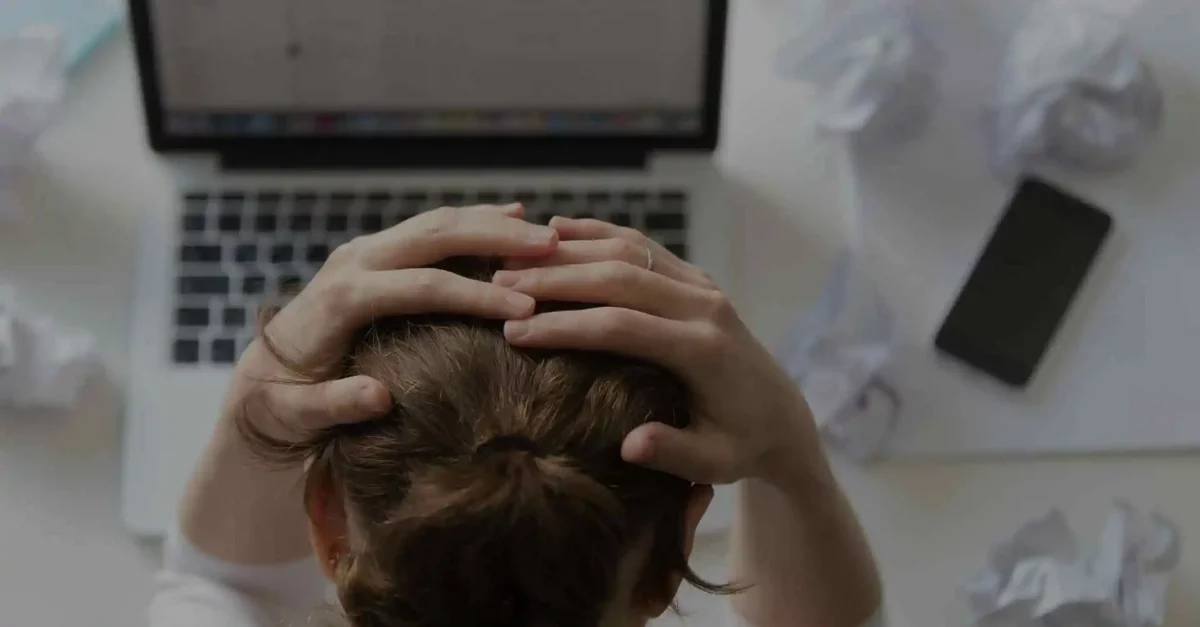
[327, 523]
[697, 504]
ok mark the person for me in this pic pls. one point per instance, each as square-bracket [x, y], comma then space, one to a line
[453, 446]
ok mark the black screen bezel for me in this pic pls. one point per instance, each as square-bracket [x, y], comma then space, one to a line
[410, 148]
[961, 340]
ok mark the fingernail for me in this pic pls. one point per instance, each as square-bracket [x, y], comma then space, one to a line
[521, 304]
[506, 278]
[374, 399]
[514, 206]
[516, 330]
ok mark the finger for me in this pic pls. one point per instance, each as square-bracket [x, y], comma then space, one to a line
[696, 456]
[428, 290]
[613, 283]
[570, 229]
[448, 232]
[580, 252]
[342, 401]
[608, 329]
[512, 210]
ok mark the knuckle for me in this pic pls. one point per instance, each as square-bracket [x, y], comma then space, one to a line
[706, 279]
[346, 252]
[611, 322]
[720, 309]
[616, 271]
[708, 343]
[442, 220]
[626, 250]
[338, 293]
[629, 234]
[423, 283]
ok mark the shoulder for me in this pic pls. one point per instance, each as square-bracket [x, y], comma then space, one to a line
[197, 590]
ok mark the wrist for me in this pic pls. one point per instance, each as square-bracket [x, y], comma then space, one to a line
[798, 463]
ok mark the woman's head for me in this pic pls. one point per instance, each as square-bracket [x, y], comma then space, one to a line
[494, 493]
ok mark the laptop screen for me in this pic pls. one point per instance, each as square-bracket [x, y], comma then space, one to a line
[500, 68]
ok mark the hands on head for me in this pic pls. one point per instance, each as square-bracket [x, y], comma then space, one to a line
[750, 420]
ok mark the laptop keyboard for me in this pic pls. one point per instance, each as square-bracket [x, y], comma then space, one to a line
[241, 249]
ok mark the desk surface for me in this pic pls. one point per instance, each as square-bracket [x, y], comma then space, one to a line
[72, 256]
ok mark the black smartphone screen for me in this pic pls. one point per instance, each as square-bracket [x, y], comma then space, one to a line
[1024, 282]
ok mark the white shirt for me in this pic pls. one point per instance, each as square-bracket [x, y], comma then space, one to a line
[198, 590]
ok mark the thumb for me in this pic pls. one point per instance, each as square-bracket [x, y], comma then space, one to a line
[693, 455]
[342, 401]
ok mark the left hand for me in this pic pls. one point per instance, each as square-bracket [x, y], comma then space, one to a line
[749, 418]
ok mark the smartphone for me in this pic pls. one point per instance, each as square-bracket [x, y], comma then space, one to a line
[1024, 281]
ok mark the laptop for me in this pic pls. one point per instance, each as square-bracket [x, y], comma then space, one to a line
[290, 126]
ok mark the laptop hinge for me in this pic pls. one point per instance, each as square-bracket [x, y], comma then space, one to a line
[473, 158]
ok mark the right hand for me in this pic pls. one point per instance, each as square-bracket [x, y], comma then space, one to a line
[749, 418]
[379, 275]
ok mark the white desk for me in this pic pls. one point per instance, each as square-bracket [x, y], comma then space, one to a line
[64, 559]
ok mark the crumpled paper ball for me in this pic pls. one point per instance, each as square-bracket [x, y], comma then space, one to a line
[875, 69]
[835, 355]
[1073, 91]
[32, 82]
[42, 365]
[1042, 577]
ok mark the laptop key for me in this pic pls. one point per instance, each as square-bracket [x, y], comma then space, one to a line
[198, 199]
[337, 222]
[254, 285]
[489, 197]
[200, 254]
[194, 222]
[301, 222]
[269, 201]
[543, 218]
[204, 285]
[290, 284]
[224, 351]
[234, 317]
[453, 199]
[186, 352]
[621, 218]
[246, 253]
[377, 200]
[305, 201]
[229, 222]
[282, 253]
[660, 221]
[196, 317]
[672, 201]
[598, 200]
[415, 202]
[317, 254]
[372, 222]
[233, 201]
[342, 201]
[526, 196]
[266, 223]
[679, 250]
[584, 215]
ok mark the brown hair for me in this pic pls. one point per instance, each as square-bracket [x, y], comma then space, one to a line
[494, 493]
